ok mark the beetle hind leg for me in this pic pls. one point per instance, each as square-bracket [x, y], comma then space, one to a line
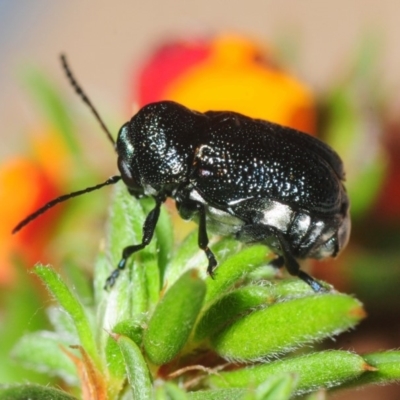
[277, 262]
[293, 266]
[272, 236]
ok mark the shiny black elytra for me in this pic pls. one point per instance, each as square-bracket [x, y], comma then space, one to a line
[234, 175]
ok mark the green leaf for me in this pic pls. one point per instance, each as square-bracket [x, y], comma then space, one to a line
[32, 392]
[173, 319]
[354, 114]
[240, 301]
[229, 307]
[387, 365]
[189, 255]
[320, 395]
[131, 329]
[81, 282]
[287, 325]
[170, 391]
[124, 229]
[224, 248]
[42, 351]
[325, 369]
[136, 290]
[365, 186]
[63, 324]
[53, 106]
[234, 268]
[136, 368]
[290, 288]
[279, 386]
[71, 305]
[218, 394]
[149, 258]
[22, 311]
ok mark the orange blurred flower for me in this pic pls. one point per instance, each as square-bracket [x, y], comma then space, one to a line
[26, 185]
[228, 72]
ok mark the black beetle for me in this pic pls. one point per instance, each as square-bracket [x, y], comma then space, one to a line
[234, 175]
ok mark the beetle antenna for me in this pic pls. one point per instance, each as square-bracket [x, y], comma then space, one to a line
[52, 203]
[83, 96]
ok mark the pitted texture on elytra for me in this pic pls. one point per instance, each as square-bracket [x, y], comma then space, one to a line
[245, 158]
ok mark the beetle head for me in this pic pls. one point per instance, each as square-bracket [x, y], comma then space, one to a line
[155, 148]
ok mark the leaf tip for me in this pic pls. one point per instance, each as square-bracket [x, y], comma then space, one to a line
[368, 367]
[358, 312]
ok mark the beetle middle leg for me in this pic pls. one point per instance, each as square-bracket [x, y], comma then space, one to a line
[148, 231]
[203, 242]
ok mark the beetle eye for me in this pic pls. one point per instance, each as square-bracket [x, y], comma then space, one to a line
[123, 132]
[126, 173]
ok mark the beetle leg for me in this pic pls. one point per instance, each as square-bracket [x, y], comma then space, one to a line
[148, 231]
[203, 242]
[259, 232]
[293, 266]
[277, 262]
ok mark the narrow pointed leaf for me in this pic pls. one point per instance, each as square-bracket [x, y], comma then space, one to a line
[189, 255]
[318, 370]
[236, 267]
[279, 386]
[170, 391]
[290, 288]
[71, 305]
[129, 328]
[136, 368]
[33, 392]
[174, 317]
[63, 324]
[42, 351]
[287, 325]
[218, 394]
[80, 281]
[125, 228]
[387, 365]
[138, 285]
[320, 395]
[229, 307]
[53, 106]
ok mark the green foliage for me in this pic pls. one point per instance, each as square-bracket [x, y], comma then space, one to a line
[33, 392]
[173, 319]
[157, 334]
[353, 108]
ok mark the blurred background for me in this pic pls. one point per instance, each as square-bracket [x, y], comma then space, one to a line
[327, 68]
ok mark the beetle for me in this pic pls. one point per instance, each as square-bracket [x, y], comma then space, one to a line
[234, 175]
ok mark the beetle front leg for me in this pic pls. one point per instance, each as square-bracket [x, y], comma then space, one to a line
[148, 231]
[203, 242]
